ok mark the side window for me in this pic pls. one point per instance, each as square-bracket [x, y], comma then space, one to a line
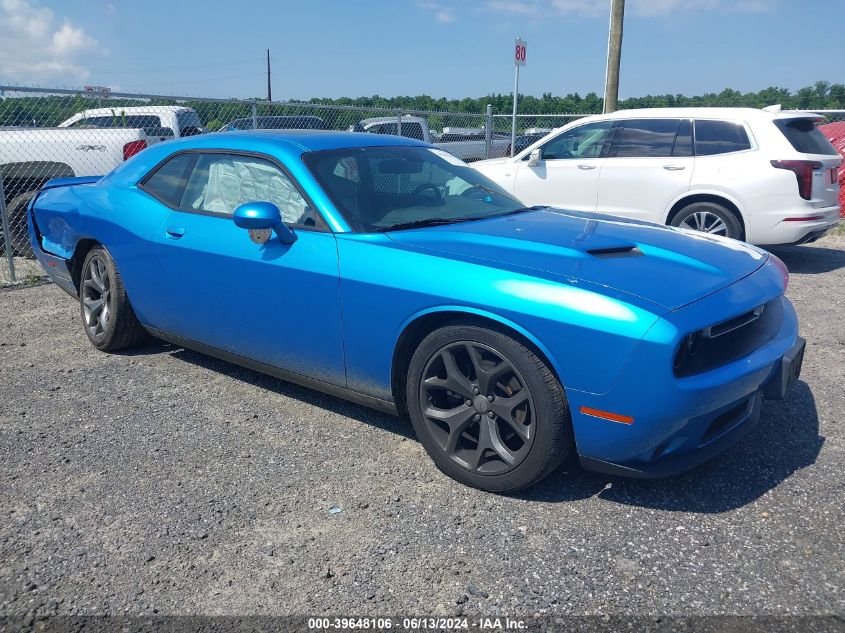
[220, 183]
[646, 138]
[168, 181]
[412, 130]
[383, 128]
[719, 137]
[683, 142]
[584, 141]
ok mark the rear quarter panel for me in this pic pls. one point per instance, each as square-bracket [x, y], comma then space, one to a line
[124, 220]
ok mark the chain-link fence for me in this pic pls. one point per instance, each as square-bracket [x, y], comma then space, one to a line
[51, 133]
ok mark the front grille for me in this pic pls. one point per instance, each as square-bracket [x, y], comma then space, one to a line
[728, 340]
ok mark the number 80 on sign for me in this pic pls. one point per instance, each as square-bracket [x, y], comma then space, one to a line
[520, 51]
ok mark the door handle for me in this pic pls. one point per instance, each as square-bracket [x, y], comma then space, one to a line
[585, 167]
[674, 167]
[175, 232]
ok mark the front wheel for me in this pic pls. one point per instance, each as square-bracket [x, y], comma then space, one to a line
[708, 217]
[487, 409]
[107, 315]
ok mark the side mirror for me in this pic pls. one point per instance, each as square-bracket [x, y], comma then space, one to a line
[255, 216]
[535, 157]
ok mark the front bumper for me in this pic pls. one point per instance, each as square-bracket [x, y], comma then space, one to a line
[678, 423]
[713, 433]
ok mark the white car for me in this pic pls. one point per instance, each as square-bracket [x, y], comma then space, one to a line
[764, 176]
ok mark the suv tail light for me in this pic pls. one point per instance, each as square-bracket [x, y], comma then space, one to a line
[132, 148]
[803, 170]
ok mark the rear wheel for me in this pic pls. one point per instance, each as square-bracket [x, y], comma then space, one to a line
[708, 217]
[487, 409]
[17, 224]
[107, 315]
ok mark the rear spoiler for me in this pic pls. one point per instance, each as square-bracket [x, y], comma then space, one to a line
[70, 182]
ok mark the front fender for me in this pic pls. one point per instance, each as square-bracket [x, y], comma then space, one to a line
[484, 314]
[585, 333]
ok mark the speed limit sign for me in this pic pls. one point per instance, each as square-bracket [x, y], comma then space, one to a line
[519, 52]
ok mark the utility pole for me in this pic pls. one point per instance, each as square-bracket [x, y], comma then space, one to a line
[614, 55]
[269, 92]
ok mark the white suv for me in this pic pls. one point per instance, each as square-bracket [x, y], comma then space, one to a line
[764, 176]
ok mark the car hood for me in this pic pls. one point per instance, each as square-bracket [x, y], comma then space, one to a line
[664, 265]
[490, 162]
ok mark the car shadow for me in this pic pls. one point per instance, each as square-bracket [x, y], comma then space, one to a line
[810, 260]
[313, 397]
[785, 440]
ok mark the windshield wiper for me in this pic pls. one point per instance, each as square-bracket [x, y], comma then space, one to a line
[522, 210]
[419, 223]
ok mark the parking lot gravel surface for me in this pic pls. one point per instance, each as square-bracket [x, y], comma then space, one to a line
[164, 481]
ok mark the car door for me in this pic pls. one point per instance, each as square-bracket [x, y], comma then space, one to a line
[271, 302]
[568, 173]
[649, 164]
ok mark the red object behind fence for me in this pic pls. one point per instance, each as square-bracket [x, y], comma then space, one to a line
[835, 133]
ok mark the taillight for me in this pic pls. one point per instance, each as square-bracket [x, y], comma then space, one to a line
[132, 148]
[784, 271]
[803, 170]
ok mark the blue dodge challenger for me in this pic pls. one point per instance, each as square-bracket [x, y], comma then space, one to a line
[383, 270]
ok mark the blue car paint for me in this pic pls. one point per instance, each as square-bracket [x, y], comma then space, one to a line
[333, 305]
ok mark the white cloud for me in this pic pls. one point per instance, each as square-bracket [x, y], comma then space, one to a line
[36, 46]
[441, 13]
[643, 8]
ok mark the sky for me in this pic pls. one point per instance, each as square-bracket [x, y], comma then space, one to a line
[443, 48]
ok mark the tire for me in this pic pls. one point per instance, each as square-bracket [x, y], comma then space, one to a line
[17, 224]
[468, 435]
[107, 315]
[709, 217]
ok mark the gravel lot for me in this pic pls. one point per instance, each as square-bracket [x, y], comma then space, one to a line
[163, 481]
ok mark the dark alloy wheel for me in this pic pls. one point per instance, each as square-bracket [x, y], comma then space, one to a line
[487, 409]
[477, 408]
[107, 316]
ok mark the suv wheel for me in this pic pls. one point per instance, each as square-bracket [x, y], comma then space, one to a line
[708, 217]
[488, 411]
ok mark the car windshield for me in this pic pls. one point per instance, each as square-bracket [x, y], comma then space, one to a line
[396, 187]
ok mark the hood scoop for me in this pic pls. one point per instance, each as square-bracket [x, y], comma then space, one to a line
[614, 252]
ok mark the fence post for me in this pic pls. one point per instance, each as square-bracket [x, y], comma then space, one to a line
[399, 122]
[488, 130]
[254, 115]
[7, 232]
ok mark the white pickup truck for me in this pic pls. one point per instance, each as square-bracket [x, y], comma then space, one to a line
[29, 157]
[162, 121]
[467, 144]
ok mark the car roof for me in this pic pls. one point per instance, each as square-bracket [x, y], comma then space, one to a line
[317, 140]
[117, 110]
[390, 119]
[705, 113]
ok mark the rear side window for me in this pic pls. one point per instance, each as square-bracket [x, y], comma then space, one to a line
[120, 120]
[649, 138]
[803, 135]
[168, 181]
[411, 129]
[720, 137]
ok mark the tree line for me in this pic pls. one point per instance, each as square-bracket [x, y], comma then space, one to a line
[822, 95]
[25, 109]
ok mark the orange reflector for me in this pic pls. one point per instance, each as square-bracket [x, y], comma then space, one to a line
[606, 415]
